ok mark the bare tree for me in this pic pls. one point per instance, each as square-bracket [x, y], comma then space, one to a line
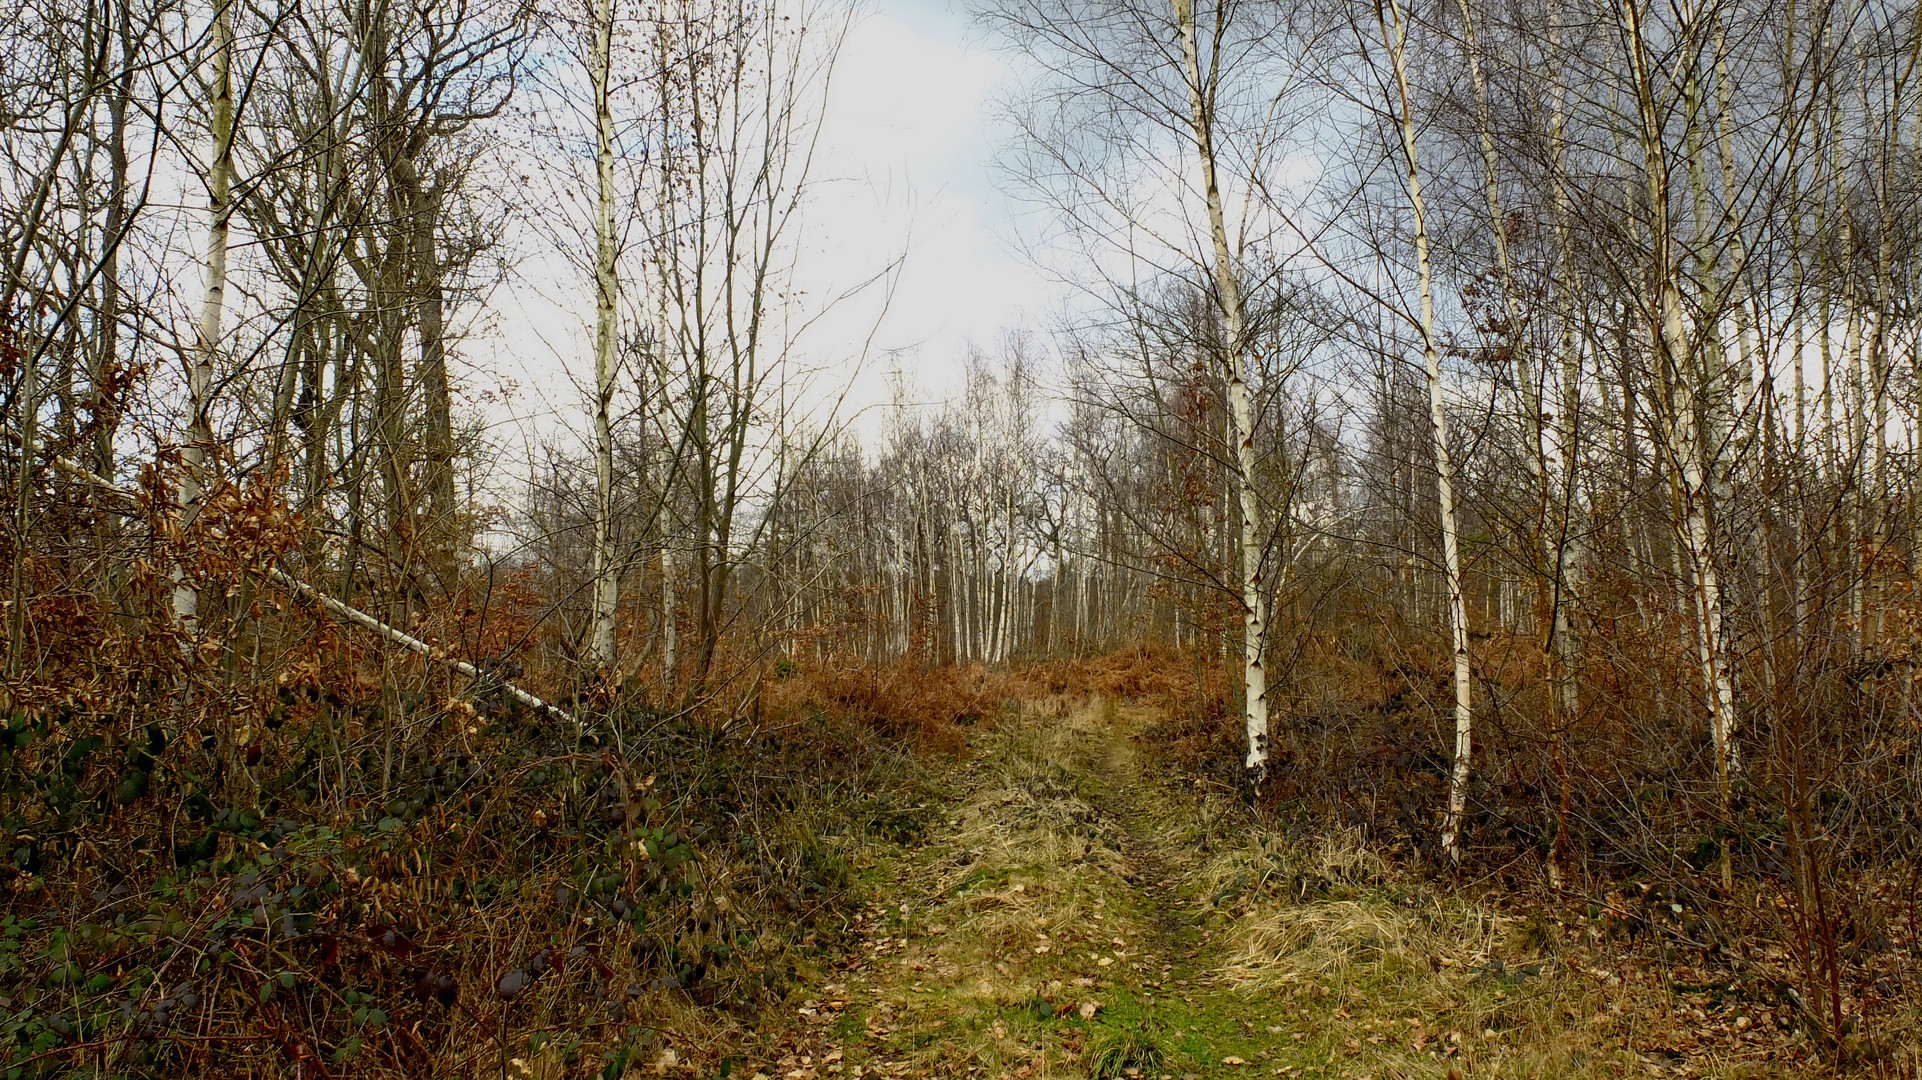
[1154, 101]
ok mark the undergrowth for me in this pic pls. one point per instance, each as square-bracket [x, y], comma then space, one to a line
[380, 884]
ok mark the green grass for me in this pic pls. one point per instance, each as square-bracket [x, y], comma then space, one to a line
[1113, 1050]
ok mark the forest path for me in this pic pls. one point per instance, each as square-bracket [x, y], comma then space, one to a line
[1055, 921]
[1074, 911]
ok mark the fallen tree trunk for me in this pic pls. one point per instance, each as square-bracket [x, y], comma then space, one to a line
[349, 614]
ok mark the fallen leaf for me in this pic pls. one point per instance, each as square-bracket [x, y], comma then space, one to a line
[1088, 1009]
[1232, 1061]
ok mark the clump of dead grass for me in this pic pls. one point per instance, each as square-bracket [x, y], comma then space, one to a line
[1323, 911]
[1316, 941]
[1261, 864]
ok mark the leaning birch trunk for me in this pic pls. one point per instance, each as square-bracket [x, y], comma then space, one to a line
[345, 612]
[200, 372]
[606, 581]
[1396, 40]
[1240, 412]
[1563, 702]
[411, 643]
[1689, 475]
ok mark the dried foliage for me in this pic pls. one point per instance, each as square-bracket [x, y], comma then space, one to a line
[284, 845]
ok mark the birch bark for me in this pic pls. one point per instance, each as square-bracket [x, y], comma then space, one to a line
[200, 372]
[1680, 391]
[1240, 412]
[1395, 39]
[606, 288]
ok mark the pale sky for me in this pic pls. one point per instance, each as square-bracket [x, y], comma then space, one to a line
[910, 141]
[904, 173]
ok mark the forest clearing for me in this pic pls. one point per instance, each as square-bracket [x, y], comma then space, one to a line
[995, 540]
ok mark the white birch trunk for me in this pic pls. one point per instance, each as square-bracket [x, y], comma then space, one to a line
[670, 629]
[1562, 653]
[1011, 584]
[200, 373]
[1240, 411]
[1683, 388]
[1396, 39]
[606, 287]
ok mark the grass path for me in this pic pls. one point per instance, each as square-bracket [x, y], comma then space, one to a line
[1057, 920]
[1070, 913]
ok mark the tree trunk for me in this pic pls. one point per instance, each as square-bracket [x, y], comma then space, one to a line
[1241, 417]
[200, 373]
[606, 286]
[1682, 393]
[1395, 38]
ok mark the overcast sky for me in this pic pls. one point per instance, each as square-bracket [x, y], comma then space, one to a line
[904, 175]
[908, 170]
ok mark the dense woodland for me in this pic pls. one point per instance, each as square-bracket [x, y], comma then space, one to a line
[1493, 422]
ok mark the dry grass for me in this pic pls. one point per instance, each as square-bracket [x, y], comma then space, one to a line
[1232, 951]
[1388, 977]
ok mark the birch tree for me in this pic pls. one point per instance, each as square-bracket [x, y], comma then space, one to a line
[1165, 117]
[1202, 91]
[1392, 21]
[196, 456]
[606, 290]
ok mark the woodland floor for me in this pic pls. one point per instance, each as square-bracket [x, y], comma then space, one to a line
[1072, 911]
